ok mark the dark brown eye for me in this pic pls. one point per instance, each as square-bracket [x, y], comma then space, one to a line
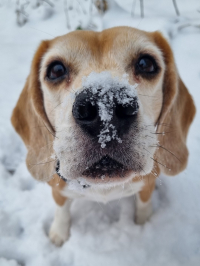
[56, 71]
[146, 65]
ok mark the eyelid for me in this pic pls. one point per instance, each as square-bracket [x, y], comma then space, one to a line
[150, 57]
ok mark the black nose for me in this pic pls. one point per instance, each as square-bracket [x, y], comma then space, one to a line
[92, 111]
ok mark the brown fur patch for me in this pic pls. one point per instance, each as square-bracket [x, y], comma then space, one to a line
[177, 114]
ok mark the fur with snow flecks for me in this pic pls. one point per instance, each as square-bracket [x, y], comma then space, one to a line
[77, 152]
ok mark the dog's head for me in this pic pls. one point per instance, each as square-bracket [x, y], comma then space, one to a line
[104, 107]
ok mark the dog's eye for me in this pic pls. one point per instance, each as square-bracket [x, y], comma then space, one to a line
[56, 70]
[146, 64]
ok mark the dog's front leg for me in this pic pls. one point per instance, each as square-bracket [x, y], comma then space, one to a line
[143, 203]
[60, 228]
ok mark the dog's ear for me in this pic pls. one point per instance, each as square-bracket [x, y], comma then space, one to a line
[177, 114]
[32, 124]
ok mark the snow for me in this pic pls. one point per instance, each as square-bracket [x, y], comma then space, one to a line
[100, 234]
[105, 90]
[4, 262]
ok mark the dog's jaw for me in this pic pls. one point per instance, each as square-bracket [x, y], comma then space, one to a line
[79, 156]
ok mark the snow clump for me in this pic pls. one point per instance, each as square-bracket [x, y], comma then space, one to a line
[105, 90]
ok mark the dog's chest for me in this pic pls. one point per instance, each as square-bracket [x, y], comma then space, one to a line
[104, 194]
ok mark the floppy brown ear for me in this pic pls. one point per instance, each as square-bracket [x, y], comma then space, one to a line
[177, 114]
[32, 124]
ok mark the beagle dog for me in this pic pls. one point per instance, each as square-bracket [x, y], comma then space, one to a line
[102, 114]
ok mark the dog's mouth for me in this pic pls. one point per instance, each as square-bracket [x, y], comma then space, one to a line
[58, 171]
[105, 167]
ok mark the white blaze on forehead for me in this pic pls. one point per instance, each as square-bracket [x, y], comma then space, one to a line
[107, 89]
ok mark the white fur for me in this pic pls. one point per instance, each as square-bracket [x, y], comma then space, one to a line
[59, 231]
[143, 210]
[105, 195]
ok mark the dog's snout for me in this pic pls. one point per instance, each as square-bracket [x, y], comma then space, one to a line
[92, 111]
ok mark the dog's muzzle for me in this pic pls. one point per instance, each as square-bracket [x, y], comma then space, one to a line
[104, 116]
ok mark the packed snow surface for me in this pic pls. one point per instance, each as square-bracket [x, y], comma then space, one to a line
[100, 234]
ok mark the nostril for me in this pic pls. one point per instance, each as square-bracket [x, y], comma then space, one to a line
[123, 112]
[85, 111]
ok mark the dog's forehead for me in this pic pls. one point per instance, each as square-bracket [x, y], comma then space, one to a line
[102, 41]
[117, 44]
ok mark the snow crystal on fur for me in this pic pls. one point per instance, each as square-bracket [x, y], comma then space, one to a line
[106, 89]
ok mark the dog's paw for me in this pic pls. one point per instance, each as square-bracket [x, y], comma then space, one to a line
[58, 234]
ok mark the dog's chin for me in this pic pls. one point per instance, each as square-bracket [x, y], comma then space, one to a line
[105, 182]
[106, 172]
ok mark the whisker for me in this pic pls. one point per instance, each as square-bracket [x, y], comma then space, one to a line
[43, 126]
[166, 150]
[42, 163]
[164, 124]
[142, 169]
[72, 90]
[156, 176]
[55, 107]
[52, 176]
[160, 163]
[161, 133]
[148, 95]
[159, 124]
[50, 131]
[42, 31]
[156, 160]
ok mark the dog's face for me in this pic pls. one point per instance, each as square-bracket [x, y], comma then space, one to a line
[103, 96]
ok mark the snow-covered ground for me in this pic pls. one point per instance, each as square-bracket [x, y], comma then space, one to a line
[100, 234]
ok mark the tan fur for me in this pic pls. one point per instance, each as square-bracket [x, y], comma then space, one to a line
[148, 188]
[31, 123]
[177, 114]
[171, 106]
[57, 185]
